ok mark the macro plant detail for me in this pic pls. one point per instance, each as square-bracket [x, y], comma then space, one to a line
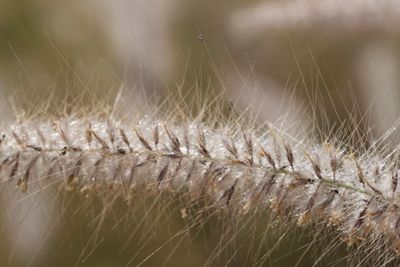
[223, 166]
[199, 133]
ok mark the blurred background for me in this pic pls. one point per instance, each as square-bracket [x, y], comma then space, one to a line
[320, 62]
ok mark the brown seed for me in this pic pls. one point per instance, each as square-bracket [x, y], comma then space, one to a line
[143, 141]
[174, 140]
[231, 148]
[177, 168]
[125, 138]
[96, 166]
[312, 199]
[249, 147]
[100, 140]
[361, 216]
[395, 179]
[19, 141]
[40, 134]
[191, 171]
[156, 136]
[132, 171]
[316, 166]
[75, 170]
[228, 193]
[269, 157]
[35, 148]
[89, 135]
[336, 163]
[110, 131]
[201, 148]
[162, 174]
[289, 155]
[14, 168]
[364, 181]
[64, 135]
[328, 201]
[23, 182]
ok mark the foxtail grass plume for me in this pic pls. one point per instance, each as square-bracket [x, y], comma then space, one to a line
[229, 165]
